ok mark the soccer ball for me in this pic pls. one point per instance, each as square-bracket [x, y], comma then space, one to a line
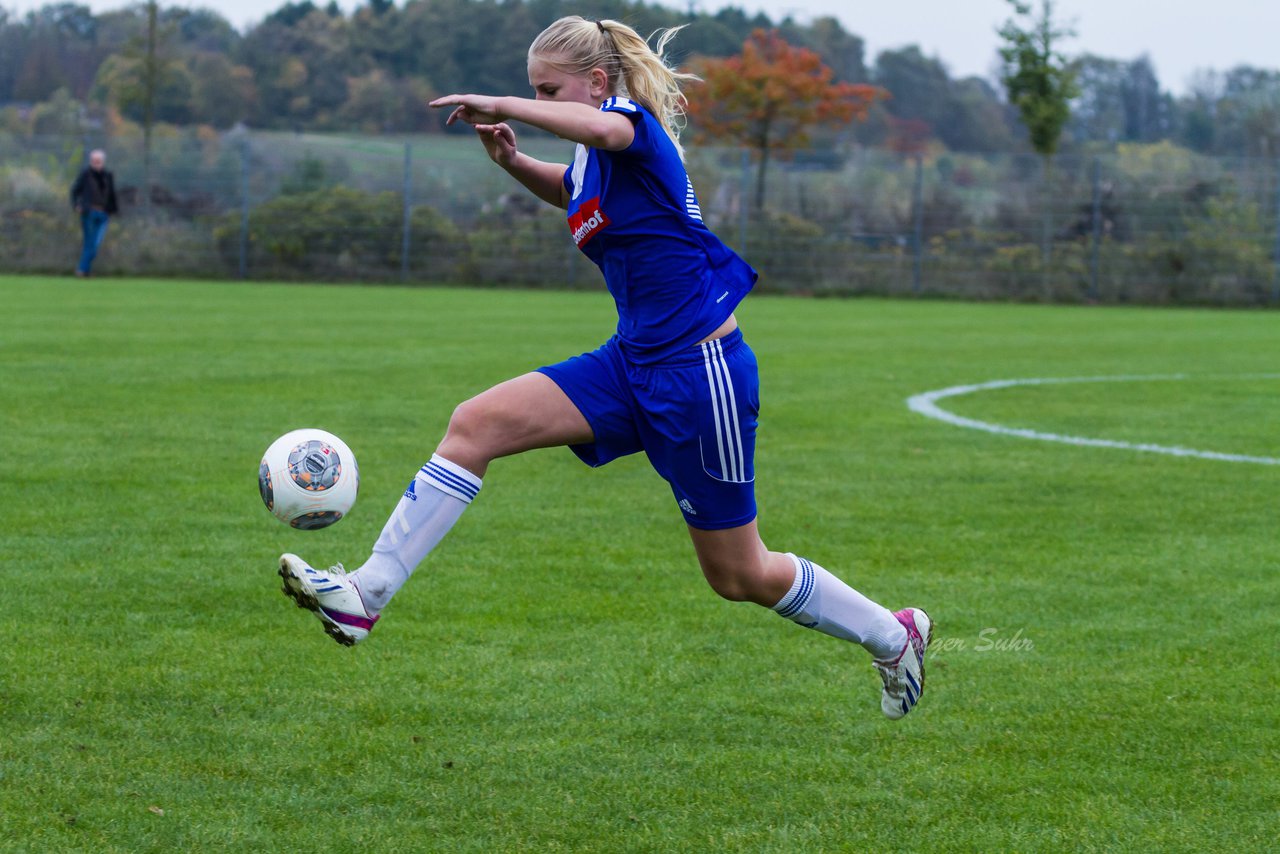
[308, 479]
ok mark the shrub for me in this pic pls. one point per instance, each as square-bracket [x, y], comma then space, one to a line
[338, 232]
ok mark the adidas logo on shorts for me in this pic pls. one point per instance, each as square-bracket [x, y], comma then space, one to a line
[687, 507]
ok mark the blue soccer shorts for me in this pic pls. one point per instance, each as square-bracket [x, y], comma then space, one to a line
[694, 415]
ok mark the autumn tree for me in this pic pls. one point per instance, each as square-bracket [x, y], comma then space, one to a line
[770, 96]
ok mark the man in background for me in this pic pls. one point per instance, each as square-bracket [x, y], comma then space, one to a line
[93, 195]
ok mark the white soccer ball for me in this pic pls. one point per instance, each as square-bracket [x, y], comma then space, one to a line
[308, 479]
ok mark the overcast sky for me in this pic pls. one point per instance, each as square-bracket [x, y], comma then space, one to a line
[1181, 36]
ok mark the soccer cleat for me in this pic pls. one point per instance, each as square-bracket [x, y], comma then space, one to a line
[903, 677]
[329, 594]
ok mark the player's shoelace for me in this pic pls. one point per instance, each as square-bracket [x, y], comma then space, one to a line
[895, 679]
[893, 683]
[337, 573]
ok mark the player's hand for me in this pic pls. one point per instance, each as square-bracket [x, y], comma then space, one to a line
[499, 141]
[472, 109]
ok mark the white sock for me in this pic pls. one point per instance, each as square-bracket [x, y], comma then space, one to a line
[819, 600]
[435, 499]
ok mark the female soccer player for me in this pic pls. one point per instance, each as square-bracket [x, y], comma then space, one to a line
[676, 380]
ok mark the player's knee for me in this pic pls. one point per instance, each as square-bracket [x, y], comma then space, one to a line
[462, 422]
[729, 582]
[471, 425]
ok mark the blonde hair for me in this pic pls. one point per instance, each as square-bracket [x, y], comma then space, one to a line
[576, 46]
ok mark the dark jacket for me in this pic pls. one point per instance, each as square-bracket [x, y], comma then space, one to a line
[95, 190]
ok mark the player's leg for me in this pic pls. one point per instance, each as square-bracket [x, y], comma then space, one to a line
[708, 457]
[527, 412]
[518, 415]
[738, 566]
[706, 451]
[581, 402]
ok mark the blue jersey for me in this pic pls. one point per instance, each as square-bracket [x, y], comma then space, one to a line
[634, 213]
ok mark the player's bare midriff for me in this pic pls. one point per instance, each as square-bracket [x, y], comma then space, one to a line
[723, 330]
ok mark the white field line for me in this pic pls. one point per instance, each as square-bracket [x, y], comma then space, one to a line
[926, 403]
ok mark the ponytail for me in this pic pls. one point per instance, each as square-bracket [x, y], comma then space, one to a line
[635, 71]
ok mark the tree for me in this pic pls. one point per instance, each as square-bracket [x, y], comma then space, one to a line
[1036, 76]
[720, 34]
[1098, 113]
[1041, 84]
[919, 85]
[57, 51]
[290, 13]
[1118, 101]
[121, 84]
[301, 70]
[769, 96]
[222, 94]
[1197, 112]
[202, 29]
[61, 114]
[1146, 108]
[379, 104]
[1261, 114]
[842, 50]
[148, 83]
[966, 115]
[1245, 115]
[909, 137]
[150, 71]
[977, 118]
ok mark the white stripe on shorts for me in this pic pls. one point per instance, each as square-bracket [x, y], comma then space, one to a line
[715, 405]
[735, 431]
[724, 410]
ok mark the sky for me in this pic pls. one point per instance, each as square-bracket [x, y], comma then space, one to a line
[1180, 36]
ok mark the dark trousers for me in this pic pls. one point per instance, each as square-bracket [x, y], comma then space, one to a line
[94, 225]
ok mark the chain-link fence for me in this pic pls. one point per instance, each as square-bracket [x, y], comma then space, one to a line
[1151, 224]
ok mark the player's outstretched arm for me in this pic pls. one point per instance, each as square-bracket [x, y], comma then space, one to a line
[569, 120]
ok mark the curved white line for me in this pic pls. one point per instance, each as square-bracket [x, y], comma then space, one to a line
[926, 405]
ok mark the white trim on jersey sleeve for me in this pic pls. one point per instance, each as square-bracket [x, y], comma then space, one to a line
[579, 171]
[619, 103]
[691, 200]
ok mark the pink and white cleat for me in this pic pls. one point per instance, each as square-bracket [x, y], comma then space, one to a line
[903, 677]
[331, 595]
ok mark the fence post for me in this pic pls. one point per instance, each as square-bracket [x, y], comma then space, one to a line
[1046, 224]
[1275, 271]
[1095, 250]
[917, 205]
[406, 193]
[244, 206]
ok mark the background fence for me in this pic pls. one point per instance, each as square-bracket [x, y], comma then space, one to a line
[1151, 224]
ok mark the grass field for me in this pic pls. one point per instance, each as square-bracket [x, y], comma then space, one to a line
[558, 676]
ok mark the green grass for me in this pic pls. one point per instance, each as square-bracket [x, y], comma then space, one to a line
[558, 676]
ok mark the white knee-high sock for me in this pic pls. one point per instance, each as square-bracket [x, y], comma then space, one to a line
[819, 600]
[434, 501]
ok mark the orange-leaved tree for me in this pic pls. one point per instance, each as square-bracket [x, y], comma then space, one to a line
[768, 98]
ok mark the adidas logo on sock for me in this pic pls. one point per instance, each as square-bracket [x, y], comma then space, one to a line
[409, 493]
